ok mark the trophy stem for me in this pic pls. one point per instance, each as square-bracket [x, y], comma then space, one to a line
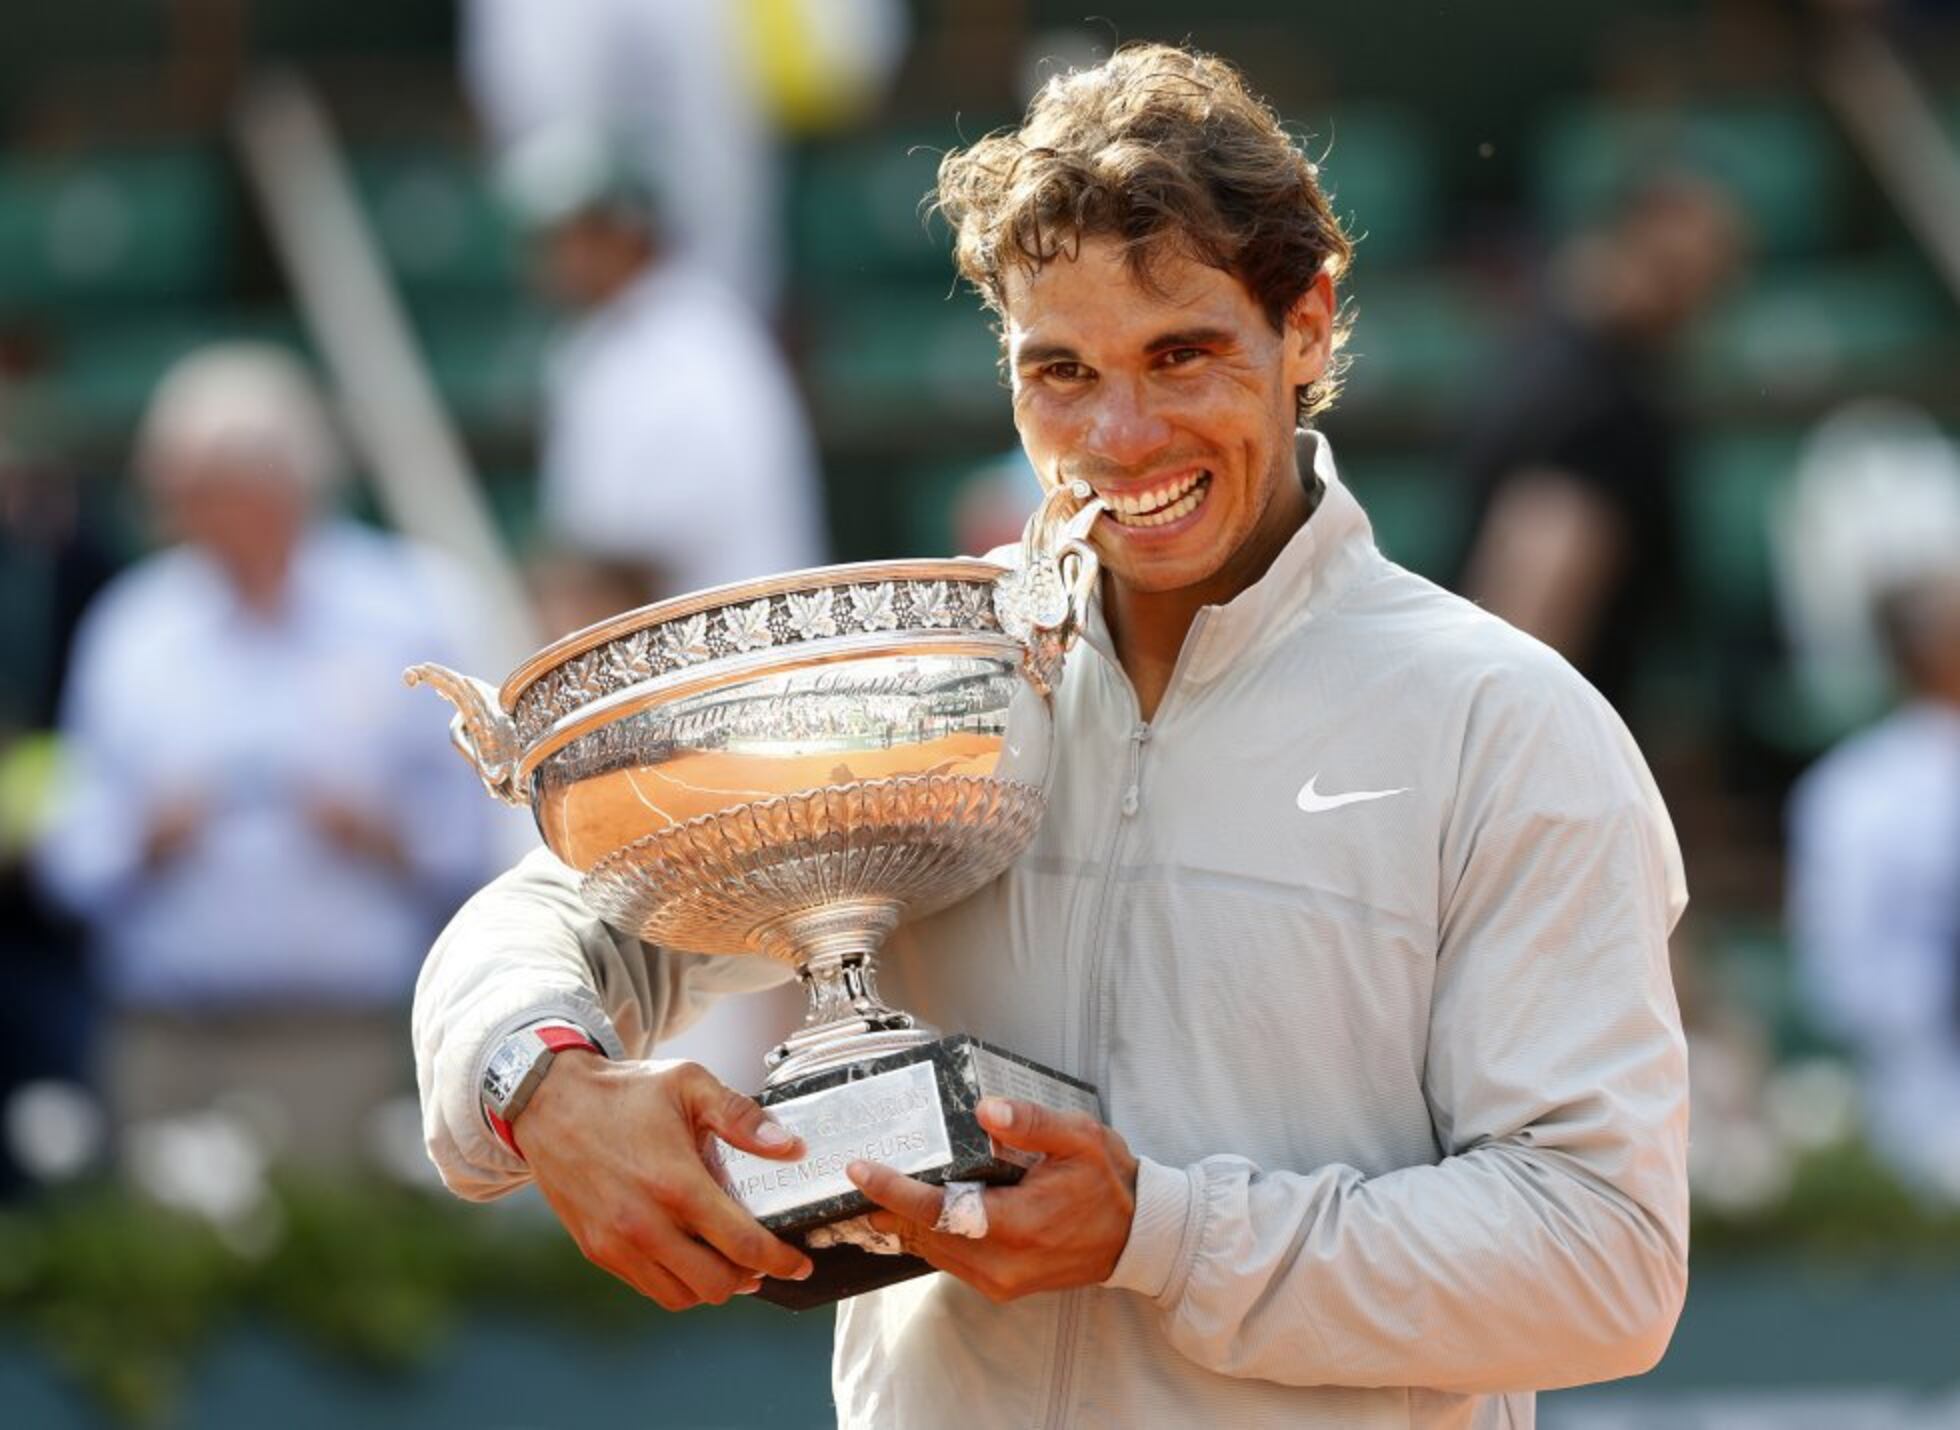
[833, 949]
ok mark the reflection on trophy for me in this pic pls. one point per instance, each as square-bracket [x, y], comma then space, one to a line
[787, 768]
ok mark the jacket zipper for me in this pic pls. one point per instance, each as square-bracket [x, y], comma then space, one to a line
[1069, 1327]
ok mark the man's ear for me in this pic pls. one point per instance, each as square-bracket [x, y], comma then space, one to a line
[1309, 333]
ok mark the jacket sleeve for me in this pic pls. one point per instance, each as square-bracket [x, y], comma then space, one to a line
[527, 947]
[1547, 1245]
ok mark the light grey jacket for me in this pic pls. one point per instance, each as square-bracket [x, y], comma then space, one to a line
[1405, 1071]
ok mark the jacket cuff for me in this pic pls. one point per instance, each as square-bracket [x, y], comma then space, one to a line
[575, 1009]
[582, 1012]
[1162, 1232]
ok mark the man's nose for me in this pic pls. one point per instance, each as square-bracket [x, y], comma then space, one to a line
[1125, 429]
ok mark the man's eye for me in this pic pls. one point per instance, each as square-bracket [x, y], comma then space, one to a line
[1177, 357]
[1065, 371]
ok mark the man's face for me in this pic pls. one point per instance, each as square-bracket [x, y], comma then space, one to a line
[246, 522]
[586, 259]
[1176, 405]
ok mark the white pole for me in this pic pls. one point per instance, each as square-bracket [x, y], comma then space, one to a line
[1886, 114]
[421, 471]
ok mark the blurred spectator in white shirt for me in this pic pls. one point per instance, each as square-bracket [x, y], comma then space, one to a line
[676, 453]
[674, 438]
[259, 824]
[1875, 892]
[701, 86]
[1875, 498]
[671, 70]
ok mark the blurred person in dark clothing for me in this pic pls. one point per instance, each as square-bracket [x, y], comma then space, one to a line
[1574, 471]
[253, 821]
[51, 565]
[1874, 891]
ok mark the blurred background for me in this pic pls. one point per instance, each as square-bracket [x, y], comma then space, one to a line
[338, 337]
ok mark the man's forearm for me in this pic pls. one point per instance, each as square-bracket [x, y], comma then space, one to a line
[524, 947]
[1502, 1269]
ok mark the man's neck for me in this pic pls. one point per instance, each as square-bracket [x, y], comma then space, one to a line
[1148, 628]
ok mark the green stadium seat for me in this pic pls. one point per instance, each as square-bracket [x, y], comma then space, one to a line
[895, 353]
[1381, 172]
[1416, 512]
[112, 228]
[929, 495]
[1812, 330]
[1730, 488]
[1417, 340]
[487, 359]
[512, 496]
[854, 209]
[1733, 482]
[438, 219]
[109, 366]
[1782, 161]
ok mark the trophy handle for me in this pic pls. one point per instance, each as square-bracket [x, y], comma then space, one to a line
[481, 730]
[1044, 602]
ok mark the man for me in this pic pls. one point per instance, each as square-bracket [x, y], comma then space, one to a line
[676, 451]
[254, 826]
[707, 83]
[1352, 901]
[675, 443]
[1875, 891]
[52, 563]
[1574, 473]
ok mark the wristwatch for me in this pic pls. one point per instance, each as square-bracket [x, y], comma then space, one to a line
[517, 1068]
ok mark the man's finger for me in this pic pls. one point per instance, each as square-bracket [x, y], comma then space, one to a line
[738, 1120]
[944, 1253]
[721, 1222]
[711, 1276]
[913, 1200]
[1034, 1128]
[657, 1286]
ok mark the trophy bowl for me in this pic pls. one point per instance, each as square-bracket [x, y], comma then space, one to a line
[784, 768]
[787, 768]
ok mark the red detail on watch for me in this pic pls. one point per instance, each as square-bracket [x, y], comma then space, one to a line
[558, 1038]
[505, 1134]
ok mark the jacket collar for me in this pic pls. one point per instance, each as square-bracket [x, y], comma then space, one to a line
[1307, 578]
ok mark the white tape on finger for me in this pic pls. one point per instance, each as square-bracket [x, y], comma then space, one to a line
[963, 1212]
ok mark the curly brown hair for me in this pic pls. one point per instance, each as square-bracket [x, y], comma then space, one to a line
[1166, 151]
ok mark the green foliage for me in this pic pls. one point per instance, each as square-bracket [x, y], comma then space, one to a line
[1841, 1205]
[123, 1293]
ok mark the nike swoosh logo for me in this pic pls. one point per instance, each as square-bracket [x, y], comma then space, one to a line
[1312, 801]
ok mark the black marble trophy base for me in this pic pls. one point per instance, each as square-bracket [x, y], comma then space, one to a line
[913, 1110]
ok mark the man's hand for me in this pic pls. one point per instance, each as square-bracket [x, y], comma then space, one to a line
[616, 1148]
[1064, 1224]
[355, 831]
[173, 829]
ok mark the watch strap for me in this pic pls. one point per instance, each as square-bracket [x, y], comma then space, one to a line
[556, 1038]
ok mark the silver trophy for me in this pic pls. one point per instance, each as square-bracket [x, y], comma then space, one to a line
[788, 768]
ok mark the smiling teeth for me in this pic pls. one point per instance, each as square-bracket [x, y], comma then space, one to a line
[1161, 506]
